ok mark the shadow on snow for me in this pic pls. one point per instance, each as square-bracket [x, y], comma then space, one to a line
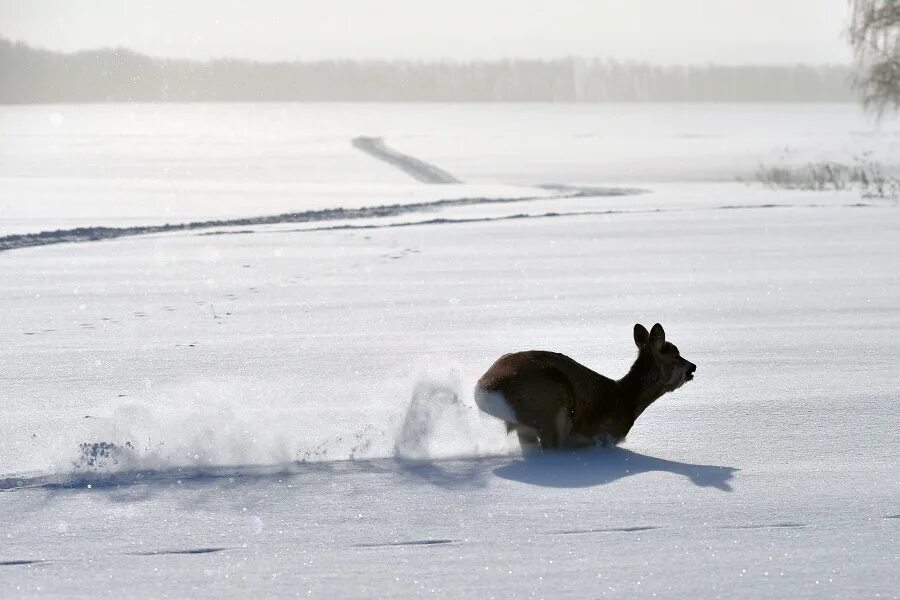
[593, 467]
[605, 465]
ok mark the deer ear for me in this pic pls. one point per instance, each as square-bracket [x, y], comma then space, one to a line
[641, 335]
[657, 336]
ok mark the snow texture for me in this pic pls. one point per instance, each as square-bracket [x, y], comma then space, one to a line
[283, 406]
[415, 168]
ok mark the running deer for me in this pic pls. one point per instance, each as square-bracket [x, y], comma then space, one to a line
[550, 400]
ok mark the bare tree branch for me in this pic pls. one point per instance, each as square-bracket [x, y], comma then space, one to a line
[874, 33]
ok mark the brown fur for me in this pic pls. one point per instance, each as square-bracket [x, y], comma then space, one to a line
[559, 402]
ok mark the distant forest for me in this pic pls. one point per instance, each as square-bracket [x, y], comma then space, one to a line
[31, 75]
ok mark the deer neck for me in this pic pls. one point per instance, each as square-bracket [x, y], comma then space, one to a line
[638, 389]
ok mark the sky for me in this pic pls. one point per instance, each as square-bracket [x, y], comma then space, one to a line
[657, 31]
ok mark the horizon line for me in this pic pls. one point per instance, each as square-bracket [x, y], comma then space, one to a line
[423, 61]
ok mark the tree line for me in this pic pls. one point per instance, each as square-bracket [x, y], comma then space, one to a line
[32, 75]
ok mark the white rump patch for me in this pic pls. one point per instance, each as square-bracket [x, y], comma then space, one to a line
[495, 404]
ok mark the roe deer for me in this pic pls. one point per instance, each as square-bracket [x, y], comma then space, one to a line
[551, 400]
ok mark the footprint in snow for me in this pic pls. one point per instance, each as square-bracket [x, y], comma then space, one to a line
[407, 543]
[785, 525]
[15, 563]
[182, 551]
[632, 529]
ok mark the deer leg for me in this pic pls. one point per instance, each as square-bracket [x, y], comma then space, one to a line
[528, 437]
[555, 433]
[548, 440]
[542, 400]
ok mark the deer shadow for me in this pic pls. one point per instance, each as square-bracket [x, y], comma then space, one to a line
[599, 466]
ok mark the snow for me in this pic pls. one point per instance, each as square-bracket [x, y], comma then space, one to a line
[287, 409]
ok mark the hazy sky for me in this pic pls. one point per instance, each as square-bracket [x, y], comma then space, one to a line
[659, 31]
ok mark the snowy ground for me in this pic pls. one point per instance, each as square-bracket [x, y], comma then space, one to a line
[278, 398]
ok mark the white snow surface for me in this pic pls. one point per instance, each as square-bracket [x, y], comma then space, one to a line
[286, 409]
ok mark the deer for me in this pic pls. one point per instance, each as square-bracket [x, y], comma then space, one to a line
[552, 401]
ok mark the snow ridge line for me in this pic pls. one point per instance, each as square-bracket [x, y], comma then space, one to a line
[93, 234]
[452, 221]
[519, 216]
[412, 166]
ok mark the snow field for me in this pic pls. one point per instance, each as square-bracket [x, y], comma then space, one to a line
[286, 409]
[771, 473]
